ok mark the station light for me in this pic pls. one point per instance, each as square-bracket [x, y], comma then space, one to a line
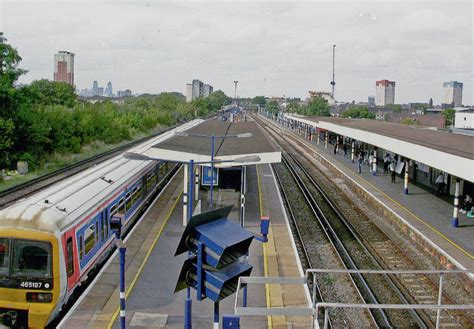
[219, 247]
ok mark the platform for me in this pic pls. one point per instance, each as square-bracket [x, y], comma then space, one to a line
[421, 211]
[152, 269]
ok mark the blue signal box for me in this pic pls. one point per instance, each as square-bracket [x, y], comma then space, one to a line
[219, 247]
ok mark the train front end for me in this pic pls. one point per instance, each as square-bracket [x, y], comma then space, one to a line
[29, 277]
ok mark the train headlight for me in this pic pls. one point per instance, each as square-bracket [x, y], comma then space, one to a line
[39, 297]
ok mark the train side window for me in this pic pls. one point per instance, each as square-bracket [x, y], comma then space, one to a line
[96, 231]
[89, 237]
[121, 206]
[102, 225]
[128, 201]
[70, 257]
[113, 210]
[81, 246]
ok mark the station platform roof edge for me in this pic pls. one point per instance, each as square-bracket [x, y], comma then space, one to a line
[227, 147]
[451, 153]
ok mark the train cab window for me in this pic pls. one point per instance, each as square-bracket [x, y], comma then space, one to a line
[70, 258]
[81, 246]
[89, 238]
[31, 259]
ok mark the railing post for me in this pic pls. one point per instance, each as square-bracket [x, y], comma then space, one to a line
[440, 299]
[122, 251]
[326, 317]
[315, 316]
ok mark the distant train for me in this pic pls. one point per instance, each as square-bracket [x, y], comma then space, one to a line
[52, 241]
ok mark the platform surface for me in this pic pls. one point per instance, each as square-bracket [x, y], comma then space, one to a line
[429, 214]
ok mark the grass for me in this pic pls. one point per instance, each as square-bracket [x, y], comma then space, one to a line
[57, 161]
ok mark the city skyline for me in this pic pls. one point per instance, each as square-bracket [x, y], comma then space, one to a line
[424, 47]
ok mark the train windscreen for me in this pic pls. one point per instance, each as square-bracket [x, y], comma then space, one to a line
[25, 258]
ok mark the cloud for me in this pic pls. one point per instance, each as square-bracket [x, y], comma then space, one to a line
[272, 48]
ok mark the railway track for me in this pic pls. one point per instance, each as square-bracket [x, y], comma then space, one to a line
[12, 194]
[380, 250]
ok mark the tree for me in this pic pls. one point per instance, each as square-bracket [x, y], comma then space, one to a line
[46, 92]
[358, 112]
[272, 106]
[6, 139]
[396, 108]
[318, 106]
[449, 115]
[259, 100]
[9, 74]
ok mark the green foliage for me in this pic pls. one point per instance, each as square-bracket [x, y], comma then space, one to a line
[396, 108]
[358, 112]
[409, 121]
[45, 118]
[9, 74]
[272, 106]
[449, 115]
[260, 100]
[46, 92]
[318, 106]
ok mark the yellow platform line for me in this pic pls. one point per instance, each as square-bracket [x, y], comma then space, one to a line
[142, 266]
[265, 257]
[467, 253]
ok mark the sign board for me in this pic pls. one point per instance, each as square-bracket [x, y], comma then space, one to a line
[206, 176]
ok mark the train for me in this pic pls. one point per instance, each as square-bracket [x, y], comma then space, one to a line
[53, 241]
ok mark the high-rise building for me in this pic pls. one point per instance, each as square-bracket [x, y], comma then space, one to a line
[207, 90]
[384, 92]
[108, 90]
[197, 89]
[95, 88]
[64, 67]
[452, 93]
[371, 101]
[189, 92]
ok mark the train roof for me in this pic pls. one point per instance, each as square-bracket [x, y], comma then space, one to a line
[60, 205]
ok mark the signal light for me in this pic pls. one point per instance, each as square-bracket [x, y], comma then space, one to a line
[220, 248]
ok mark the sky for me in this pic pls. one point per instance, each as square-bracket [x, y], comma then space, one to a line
[272, 48]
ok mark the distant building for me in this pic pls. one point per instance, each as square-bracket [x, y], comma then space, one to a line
[108, 90]
[95, 89]
[452, 93]
[464, 119]
[197, 89]
[100, 91]
[207, 90]
[189, 92]
[384, 92]
[371, 101]
[326, 95]
[64, 67]
[124, 93]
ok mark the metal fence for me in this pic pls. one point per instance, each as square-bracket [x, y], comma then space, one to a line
[314, 308]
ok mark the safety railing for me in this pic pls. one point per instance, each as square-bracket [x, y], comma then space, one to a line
[315, 307]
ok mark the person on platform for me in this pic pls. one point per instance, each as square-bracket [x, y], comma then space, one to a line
[392, 167]
[467, 204]
[371, 161]
[360, 160]
[344, 148]
[386, 162]
[440, 183]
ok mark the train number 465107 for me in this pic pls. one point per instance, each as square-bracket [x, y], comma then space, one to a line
[29, 284]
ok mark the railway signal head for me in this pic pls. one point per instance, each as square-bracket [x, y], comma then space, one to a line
[218, 246]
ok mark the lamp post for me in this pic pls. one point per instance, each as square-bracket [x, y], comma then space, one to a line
[192, 163]
[235, 92]
[213, 141]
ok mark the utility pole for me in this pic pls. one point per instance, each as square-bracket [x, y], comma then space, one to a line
[333, 82]
[235, 91]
